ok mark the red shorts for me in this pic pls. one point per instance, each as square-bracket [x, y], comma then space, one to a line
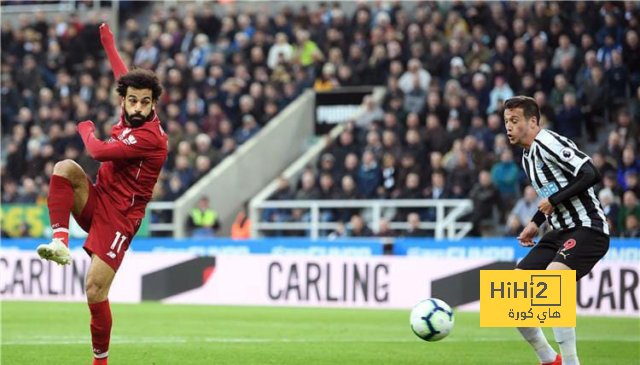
[110, 232]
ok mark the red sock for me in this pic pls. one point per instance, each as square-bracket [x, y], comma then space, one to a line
[100, 331]
[100, 361]
[60, 203]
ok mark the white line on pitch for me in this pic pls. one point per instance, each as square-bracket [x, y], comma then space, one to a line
[165, 340]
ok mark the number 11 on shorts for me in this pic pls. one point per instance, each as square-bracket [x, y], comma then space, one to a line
[120, 237]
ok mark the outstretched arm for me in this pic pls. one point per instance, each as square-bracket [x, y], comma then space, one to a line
[109, 44]
[141, 145]
[99, 150]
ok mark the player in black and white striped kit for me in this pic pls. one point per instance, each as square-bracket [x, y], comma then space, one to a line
[564, 177]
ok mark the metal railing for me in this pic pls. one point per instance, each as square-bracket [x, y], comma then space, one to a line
[446, 224]
[65, 6]
[154, 207]
[11, 13]
[242, 175]
[309, 157]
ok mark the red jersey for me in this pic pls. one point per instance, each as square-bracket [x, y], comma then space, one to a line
[133, 157]
[131, 162]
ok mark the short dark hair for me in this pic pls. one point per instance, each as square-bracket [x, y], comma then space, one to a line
[140, 78]
[528, 105]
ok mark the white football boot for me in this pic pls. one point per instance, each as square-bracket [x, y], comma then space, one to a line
[55, 251]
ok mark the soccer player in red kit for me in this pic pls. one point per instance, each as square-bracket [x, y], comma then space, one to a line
[112, 209]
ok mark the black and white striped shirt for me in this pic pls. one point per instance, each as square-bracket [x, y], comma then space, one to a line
[551, 163]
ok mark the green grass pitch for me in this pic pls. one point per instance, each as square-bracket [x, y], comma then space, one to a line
[152, 333]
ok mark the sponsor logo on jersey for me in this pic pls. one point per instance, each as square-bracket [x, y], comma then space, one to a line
[547, 190]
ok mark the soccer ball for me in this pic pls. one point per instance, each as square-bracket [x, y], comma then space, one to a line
[431, 319]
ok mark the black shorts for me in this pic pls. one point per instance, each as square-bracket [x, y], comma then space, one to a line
[579, 248]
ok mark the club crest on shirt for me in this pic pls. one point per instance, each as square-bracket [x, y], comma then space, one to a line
[566, 154]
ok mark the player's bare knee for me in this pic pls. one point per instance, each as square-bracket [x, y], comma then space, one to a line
[63, 168]
[66, 168]
[96, 292]
[558, 266]
[70, 170]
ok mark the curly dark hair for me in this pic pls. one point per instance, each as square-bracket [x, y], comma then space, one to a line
[140, 79]
[528, 105]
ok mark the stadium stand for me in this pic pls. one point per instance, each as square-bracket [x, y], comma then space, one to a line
[437, 134]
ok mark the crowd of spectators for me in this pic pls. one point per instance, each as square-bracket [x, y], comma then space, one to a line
[224, 78]
[438, 134]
